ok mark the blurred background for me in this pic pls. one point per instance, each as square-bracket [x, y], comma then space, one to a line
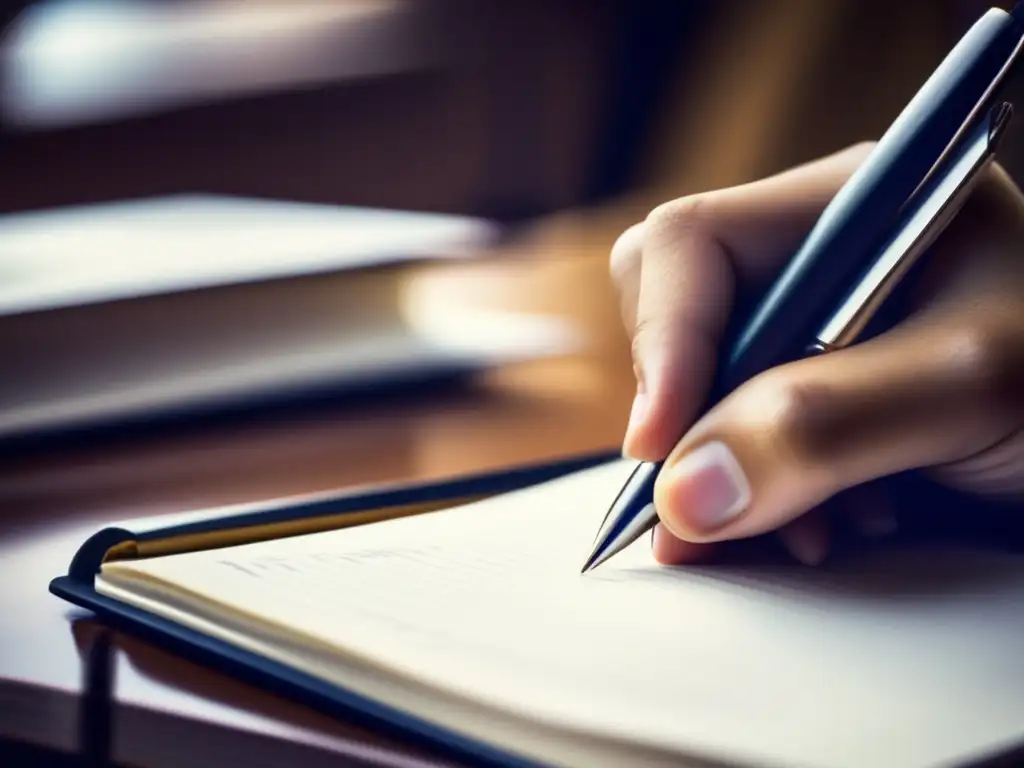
[559, 121]
[331, 153]
[506, 108]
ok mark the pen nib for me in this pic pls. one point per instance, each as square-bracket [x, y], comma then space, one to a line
[626, 520]
[601, 553]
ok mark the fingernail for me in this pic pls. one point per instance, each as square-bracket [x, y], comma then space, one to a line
[708, 487]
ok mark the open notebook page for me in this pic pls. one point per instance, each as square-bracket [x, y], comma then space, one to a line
[905, 659]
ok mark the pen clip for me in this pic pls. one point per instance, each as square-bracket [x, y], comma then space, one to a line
[923, 221]
[986, 105]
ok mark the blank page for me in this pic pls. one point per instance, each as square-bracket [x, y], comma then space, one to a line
[898, 659]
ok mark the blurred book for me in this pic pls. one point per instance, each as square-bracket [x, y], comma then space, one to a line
[153, 307]
[70, 62]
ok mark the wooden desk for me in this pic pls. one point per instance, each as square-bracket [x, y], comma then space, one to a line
[167, 711]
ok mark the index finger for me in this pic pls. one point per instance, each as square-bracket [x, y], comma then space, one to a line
[695, 253]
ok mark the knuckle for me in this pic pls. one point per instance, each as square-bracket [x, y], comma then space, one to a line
[624, 260]
[641, 332]
[992, 359]
[650, 334]
[788, 417]
[684, 214]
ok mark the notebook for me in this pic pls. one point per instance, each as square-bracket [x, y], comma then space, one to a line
[153, 308]
[472, 629]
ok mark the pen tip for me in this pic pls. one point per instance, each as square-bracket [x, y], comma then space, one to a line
[589, 564]
[601, 553]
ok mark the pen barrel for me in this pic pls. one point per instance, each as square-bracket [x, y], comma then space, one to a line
[854, 224]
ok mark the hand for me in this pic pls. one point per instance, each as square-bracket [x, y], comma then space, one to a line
[943, 391]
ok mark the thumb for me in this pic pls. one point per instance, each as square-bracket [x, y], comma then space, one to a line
[788, 440]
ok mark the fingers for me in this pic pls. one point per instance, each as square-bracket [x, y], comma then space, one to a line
[807, 537]
[929, 392]
[625, 271]
[686, 288]
[677, 273]
[674, 551]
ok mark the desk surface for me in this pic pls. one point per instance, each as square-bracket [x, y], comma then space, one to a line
[168, 710]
